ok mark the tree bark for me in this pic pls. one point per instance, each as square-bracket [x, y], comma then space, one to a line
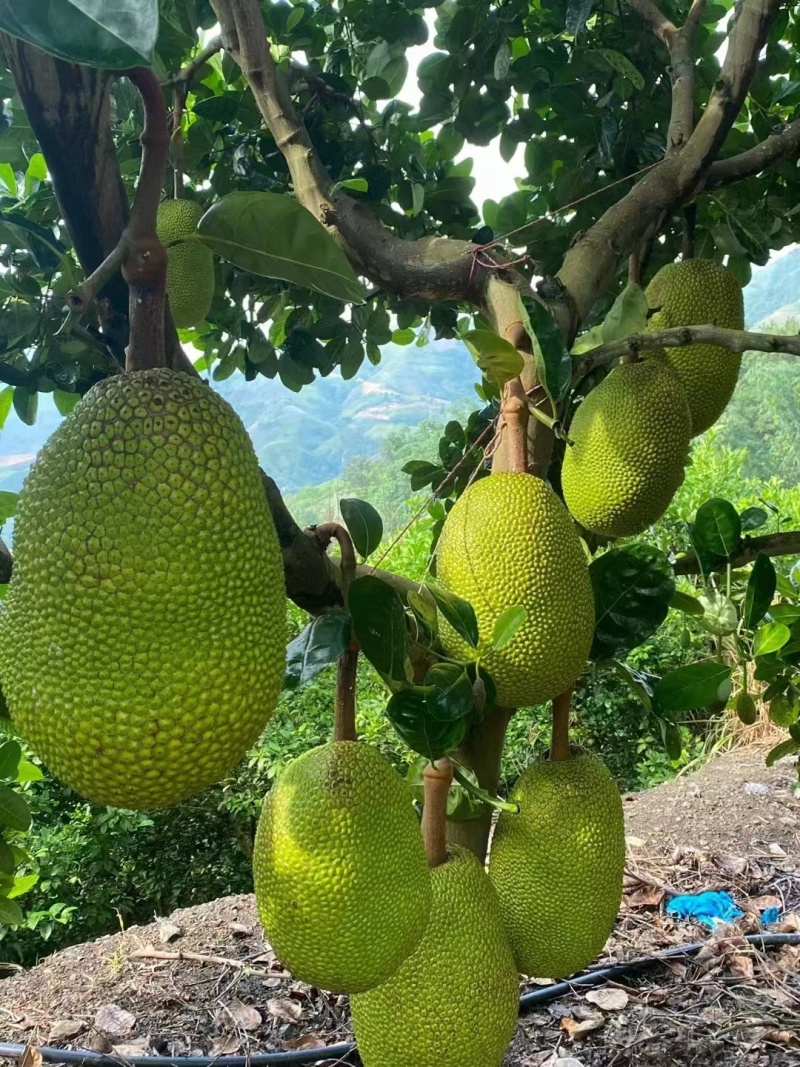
[482, 752]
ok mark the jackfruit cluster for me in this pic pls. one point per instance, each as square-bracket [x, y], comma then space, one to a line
[509, 541]
[341, 876]
[557, 866]
[190, 263]
[145, 559]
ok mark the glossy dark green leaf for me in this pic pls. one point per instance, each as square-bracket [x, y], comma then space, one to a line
[114, 35]
[689, 605]
[693, 686]
[364, 524]
[274, 235]
[783, 710]
[717, 527]
[26, 404]
[408, 713]
[379, 625]
[771, 637]
[14, 811]
[457, 612]
[451, 697]
[317, 646]
[496, 357]
[753, 519]
[507, 624]
[633, 588]
[671, 738]
[760, 590]
[578, 12]
[10, 912]
[789, 747]
[551, 358]
[10, 755]
[8, 862]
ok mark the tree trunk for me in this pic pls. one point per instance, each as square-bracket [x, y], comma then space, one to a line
[482, 752]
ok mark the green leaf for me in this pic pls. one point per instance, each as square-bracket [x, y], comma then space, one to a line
[717, 527]
[10, 755]
[115, 35]
[782, 710]
[451, 698]
[408, 713]
[8, 862]
[639, 683]
[622, 65]
[364, 524]
[273, 235]
[26, 404]
[22, 884]
[671, 738]
[64, 401]
[10, 912]
[425, 610]
[789, 747]
[457, 612]
[8, 178]
[6, 400]
[317, 646]
[28, 772]
[753, 519]
[551, 358]
[770, 638]
[760, 590]
[633, 588]
[578, 12]
[502, 61]
[689, 605]
[719, 616]
[507, 624]
[8, 505]
[14, 812]
[496, 357]
[628, 314]
[379, 624]
[693, 686]
[461, 806]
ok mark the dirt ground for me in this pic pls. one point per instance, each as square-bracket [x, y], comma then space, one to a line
[204, 981]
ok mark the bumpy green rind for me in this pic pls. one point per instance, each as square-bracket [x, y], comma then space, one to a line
[454, 1002]
[190, 264]
[341, 878]
[698, 292]
[557, 866]
[630, 444]
[142, 646]
[510, 541]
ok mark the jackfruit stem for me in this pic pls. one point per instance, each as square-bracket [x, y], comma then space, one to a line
[437, 777]
[344, 712]
[145, 267]
[514, 423]
[559, 739]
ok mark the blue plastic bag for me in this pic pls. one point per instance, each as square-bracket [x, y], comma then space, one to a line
[708, 908]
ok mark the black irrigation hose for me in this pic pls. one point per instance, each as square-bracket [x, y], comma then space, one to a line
[345, 1050]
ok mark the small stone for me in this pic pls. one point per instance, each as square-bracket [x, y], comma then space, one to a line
[240, 929]
[757, 789]
[608, 999]
[168, 932]
[64, 1030]
[776, 850]
[114, 1021]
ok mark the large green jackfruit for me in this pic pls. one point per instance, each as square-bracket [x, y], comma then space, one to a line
[190, 264]
[510, 541]
[699, 292]
[341, 877]
[557, 866]
[142, 641]
[454, 1002]
[629, 447]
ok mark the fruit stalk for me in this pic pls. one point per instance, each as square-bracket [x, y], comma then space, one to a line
[344, 715]
[145, 267]
[438, 778]
[515, 425]
[559, 740]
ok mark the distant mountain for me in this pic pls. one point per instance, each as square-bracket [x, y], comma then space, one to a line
[774, 290]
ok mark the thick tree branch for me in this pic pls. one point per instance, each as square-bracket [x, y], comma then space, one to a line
[779, 544]
[679, 337]
[664, 28]
[778, 146]
[681, 50]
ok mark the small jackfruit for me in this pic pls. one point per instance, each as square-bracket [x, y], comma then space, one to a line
[699, 292]
[190, 264]
[145, 559]
[454, 1002]
[341, 878]
[510, 541]
[746, 708]
[629, 446]
[557, 865]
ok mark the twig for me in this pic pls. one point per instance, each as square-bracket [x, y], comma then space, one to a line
[82, 297]
[786, 543]
[783, 145]
[679, 337]
[197, 957]
[663, 28]
[344, 718]
[188, 72]
[438, 778]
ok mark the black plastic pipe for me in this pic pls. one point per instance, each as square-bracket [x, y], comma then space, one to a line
[344, 1051]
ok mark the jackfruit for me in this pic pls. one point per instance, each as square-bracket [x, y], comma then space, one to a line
[142, 646]
[698, 292]
[629, 446]
[509, 541]
[454, 1002]
[746, 708]
[341, 878]
[190, 264]
[557, 865]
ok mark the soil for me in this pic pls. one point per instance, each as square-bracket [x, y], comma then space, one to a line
[733, 825]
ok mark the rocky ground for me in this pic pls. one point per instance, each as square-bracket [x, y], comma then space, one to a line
[204, 980]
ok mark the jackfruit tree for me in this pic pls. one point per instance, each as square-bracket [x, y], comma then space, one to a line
[195, 190]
